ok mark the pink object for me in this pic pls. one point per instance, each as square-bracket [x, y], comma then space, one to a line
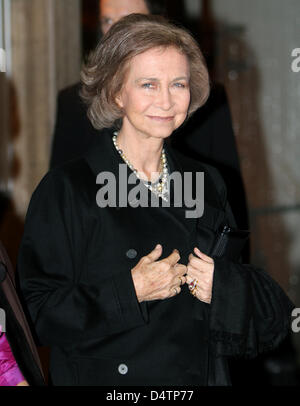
[10, 374]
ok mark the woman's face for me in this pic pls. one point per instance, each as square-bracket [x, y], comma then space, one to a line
[155, 96]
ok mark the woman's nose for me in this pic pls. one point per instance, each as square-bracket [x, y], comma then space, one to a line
[165, 99]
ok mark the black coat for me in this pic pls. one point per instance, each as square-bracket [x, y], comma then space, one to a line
[74, 267]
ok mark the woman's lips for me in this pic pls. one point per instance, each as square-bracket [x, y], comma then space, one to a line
[161, 119]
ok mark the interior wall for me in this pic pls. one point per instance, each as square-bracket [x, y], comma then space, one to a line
[46, 55]
[255, 42]
[4, 93]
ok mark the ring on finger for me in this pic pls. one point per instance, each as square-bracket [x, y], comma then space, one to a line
[193, 284]
[181, 280]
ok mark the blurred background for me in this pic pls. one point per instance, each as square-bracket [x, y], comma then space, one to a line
[249, 47]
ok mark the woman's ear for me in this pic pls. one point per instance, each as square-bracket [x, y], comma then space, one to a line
[118, 100]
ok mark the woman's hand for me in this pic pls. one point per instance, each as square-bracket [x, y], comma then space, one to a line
[155, 279]
[200, 270]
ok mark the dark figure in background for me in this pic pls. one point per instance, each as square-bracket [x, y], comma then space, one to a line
[208, 136]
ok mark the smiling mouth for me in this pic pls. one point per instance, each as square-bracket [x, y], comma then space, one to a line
[162, 119]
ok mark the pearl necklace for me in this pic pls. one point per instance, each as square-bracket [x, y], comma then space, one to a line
[160, 186]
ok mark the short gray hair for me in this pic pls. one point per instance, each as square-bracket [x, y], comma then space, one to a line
[104, 73]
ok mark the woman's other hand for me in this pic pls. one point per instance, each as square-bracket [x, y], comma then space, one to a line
[200, 270]
[158, 279]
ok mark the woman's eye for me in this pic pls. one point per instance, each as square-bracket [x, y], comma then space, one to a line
[180, 85]
[148, 85]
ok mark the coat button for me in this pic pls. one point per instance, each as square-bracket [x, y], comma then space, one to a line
[123, 369]
[131, 253]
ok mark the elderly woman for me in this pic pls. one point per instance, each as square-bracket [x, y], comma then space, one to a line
[126, 293]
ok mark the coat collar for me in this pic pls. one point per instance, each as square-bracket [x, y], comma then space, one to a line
[104, 157]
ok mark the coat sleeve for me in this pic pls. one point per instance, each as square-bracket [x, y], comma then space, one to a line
[51, 262]
[249, 312]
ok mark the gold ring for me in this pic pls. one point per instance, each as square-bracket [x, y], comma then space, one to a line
[175, 290]
[180, 278]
